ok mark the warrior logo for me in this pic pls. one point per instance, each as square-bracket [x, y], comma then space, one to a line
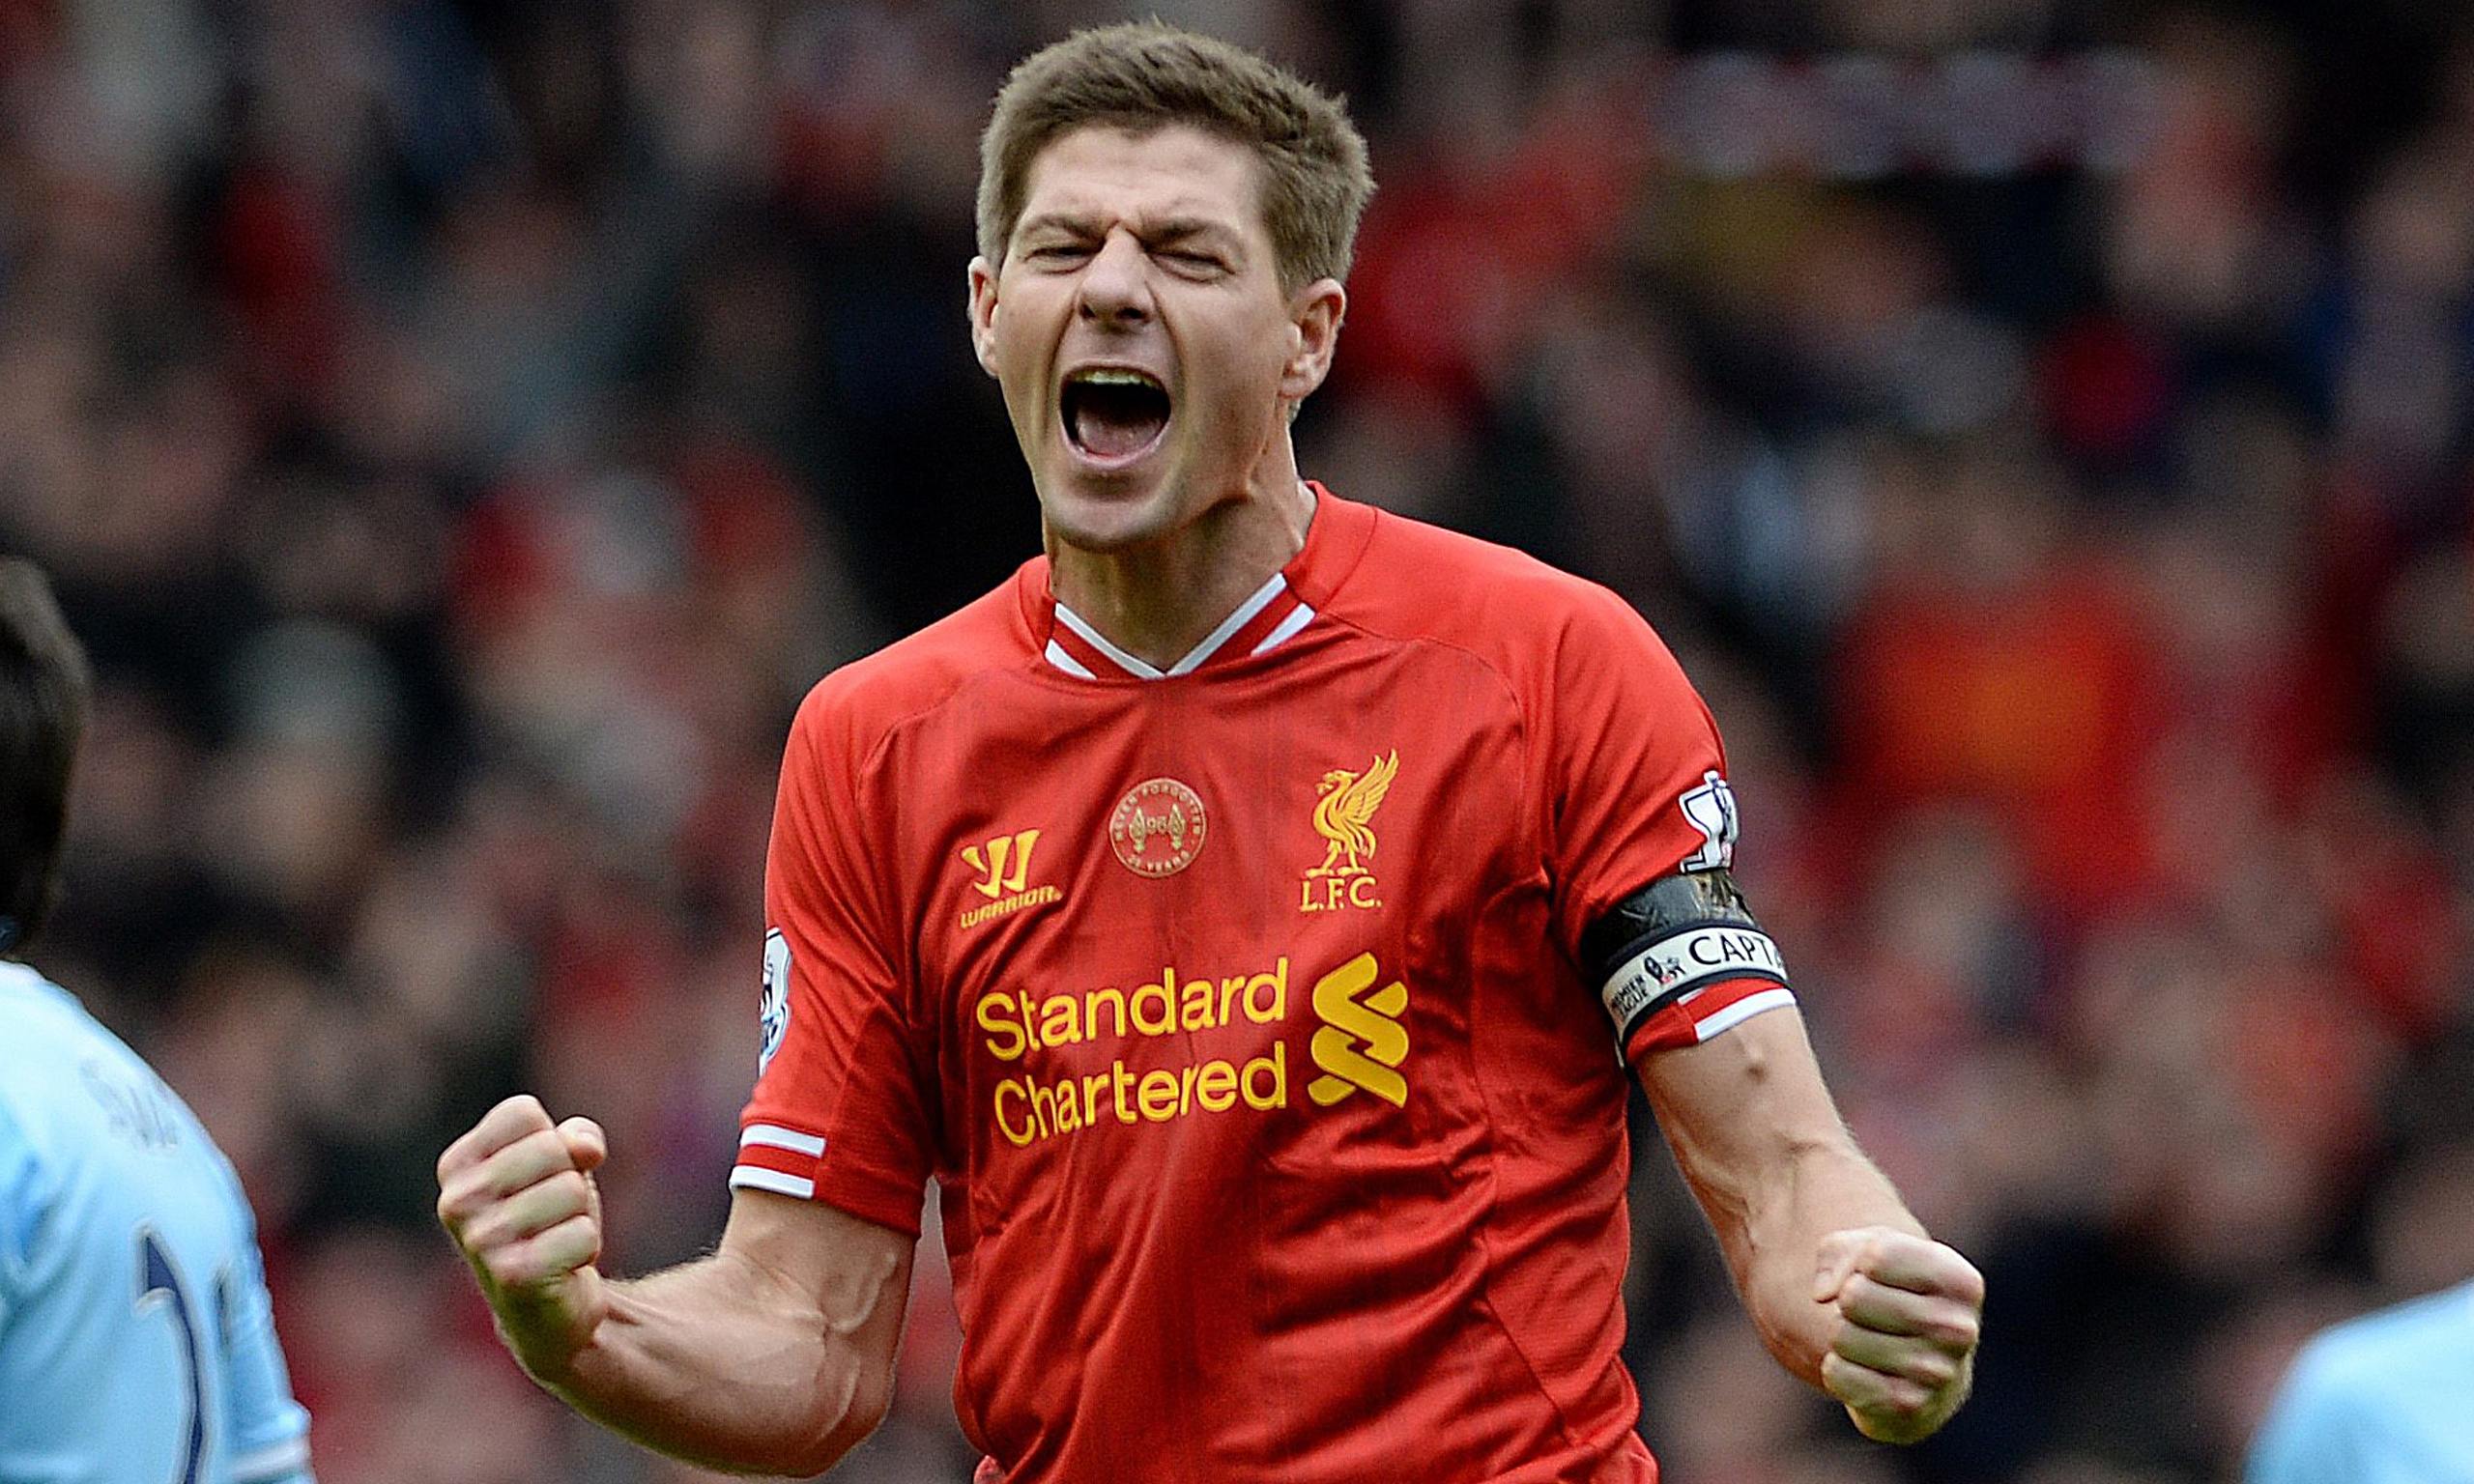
[1005, 865]
[993, 862]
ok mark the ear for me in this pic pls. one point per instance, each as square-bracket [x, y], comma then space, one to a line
[1315, 315]
[983, 314]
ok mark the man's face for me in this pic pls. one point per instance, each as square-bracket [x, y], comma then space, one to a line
[1137, 327]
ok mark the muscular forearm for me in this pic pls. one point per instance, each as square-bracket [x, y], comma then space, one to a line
[1775, 1170]
[1844, 1287]
[773, 1356]
[1826, 1186]
[723, 1364]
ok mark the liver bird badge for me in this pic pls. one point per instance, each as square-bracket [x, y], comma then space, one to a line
[1348, 801]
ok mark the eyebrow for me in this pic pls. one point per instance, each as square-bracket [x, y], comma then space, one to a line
[1173, 229]
[1060, 221]
[1178, 229]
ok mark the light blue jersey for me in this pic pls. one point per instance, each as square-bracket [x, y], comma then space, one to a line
[135, 1342]
[2384, 1399]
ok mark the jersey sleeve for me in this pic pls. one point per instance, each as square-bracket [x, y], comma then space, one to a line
[841, 1108]
[1637, 791]
[270, 1431]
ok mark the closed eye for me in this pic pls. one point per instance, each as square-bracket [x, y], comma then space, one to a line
[1058, 252]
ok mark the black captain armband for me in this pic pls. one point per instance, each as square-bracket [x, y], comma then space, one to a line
[1670, 942]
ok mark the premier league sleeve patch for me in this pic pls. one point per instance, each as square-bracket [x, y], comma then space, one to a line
[773, 1012]
[1711, 808]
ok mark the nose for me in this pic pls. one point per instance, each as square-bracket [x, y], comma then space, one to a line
[1115, 290]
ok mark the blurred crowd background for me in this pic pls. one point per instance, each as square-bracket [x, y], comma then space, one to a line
[2045, 429]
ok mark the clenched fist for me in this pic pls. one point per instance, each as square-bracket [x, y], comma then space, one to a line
[1909, 1312]
[517, 1194]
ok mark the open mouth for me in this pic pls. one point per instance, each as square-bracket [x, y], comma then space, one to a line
[1112, 415]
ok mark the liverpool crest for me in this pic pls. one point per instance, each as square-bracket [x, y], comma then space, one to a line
[1344, 816]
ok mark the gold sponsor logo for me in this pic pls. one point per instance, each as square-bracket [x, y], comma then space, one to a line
[1004, 866]
[1362, 1043]
[1030, 1107]
[1159, 828]
[1344, 816]
[1041, 1090]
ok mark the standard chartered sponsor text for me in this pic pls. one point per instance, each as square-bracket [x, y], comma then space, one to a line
[1030, 1106]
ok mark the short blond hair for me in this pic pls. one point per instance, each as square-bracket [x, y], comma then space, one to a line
[1146, 76]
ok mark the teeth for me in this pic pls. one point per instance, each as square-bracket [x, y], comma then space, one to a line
[1108, 376]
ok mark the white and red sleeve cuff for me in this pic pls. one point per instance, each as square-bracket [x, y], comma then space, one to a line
[782, 1161]
[1704, 1013]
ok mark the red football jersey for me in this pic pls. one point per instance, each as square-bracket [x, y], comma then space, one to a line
[1235, 1009]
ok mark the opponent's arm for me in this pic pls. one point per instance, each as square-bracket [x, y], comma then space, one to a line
[267, 1431]
[773, 1356]
[1843, 1285]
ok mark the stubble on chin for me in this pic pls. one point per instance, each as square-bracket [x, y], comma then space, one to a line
[1101, 525]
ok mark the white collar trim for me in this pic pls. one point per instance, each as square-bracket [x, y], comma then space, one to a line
[1142, 669]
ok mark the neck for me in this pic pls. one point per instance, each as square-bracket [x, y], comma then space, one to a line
[1157, 602]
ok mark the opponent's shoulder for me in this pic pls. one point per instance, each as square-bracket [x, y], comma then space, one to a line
[2364, 1356]
[1418, 580]
[854, 708]
[80, 1109]
[26, 1070]
[53, 1057]
[47, 1034]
